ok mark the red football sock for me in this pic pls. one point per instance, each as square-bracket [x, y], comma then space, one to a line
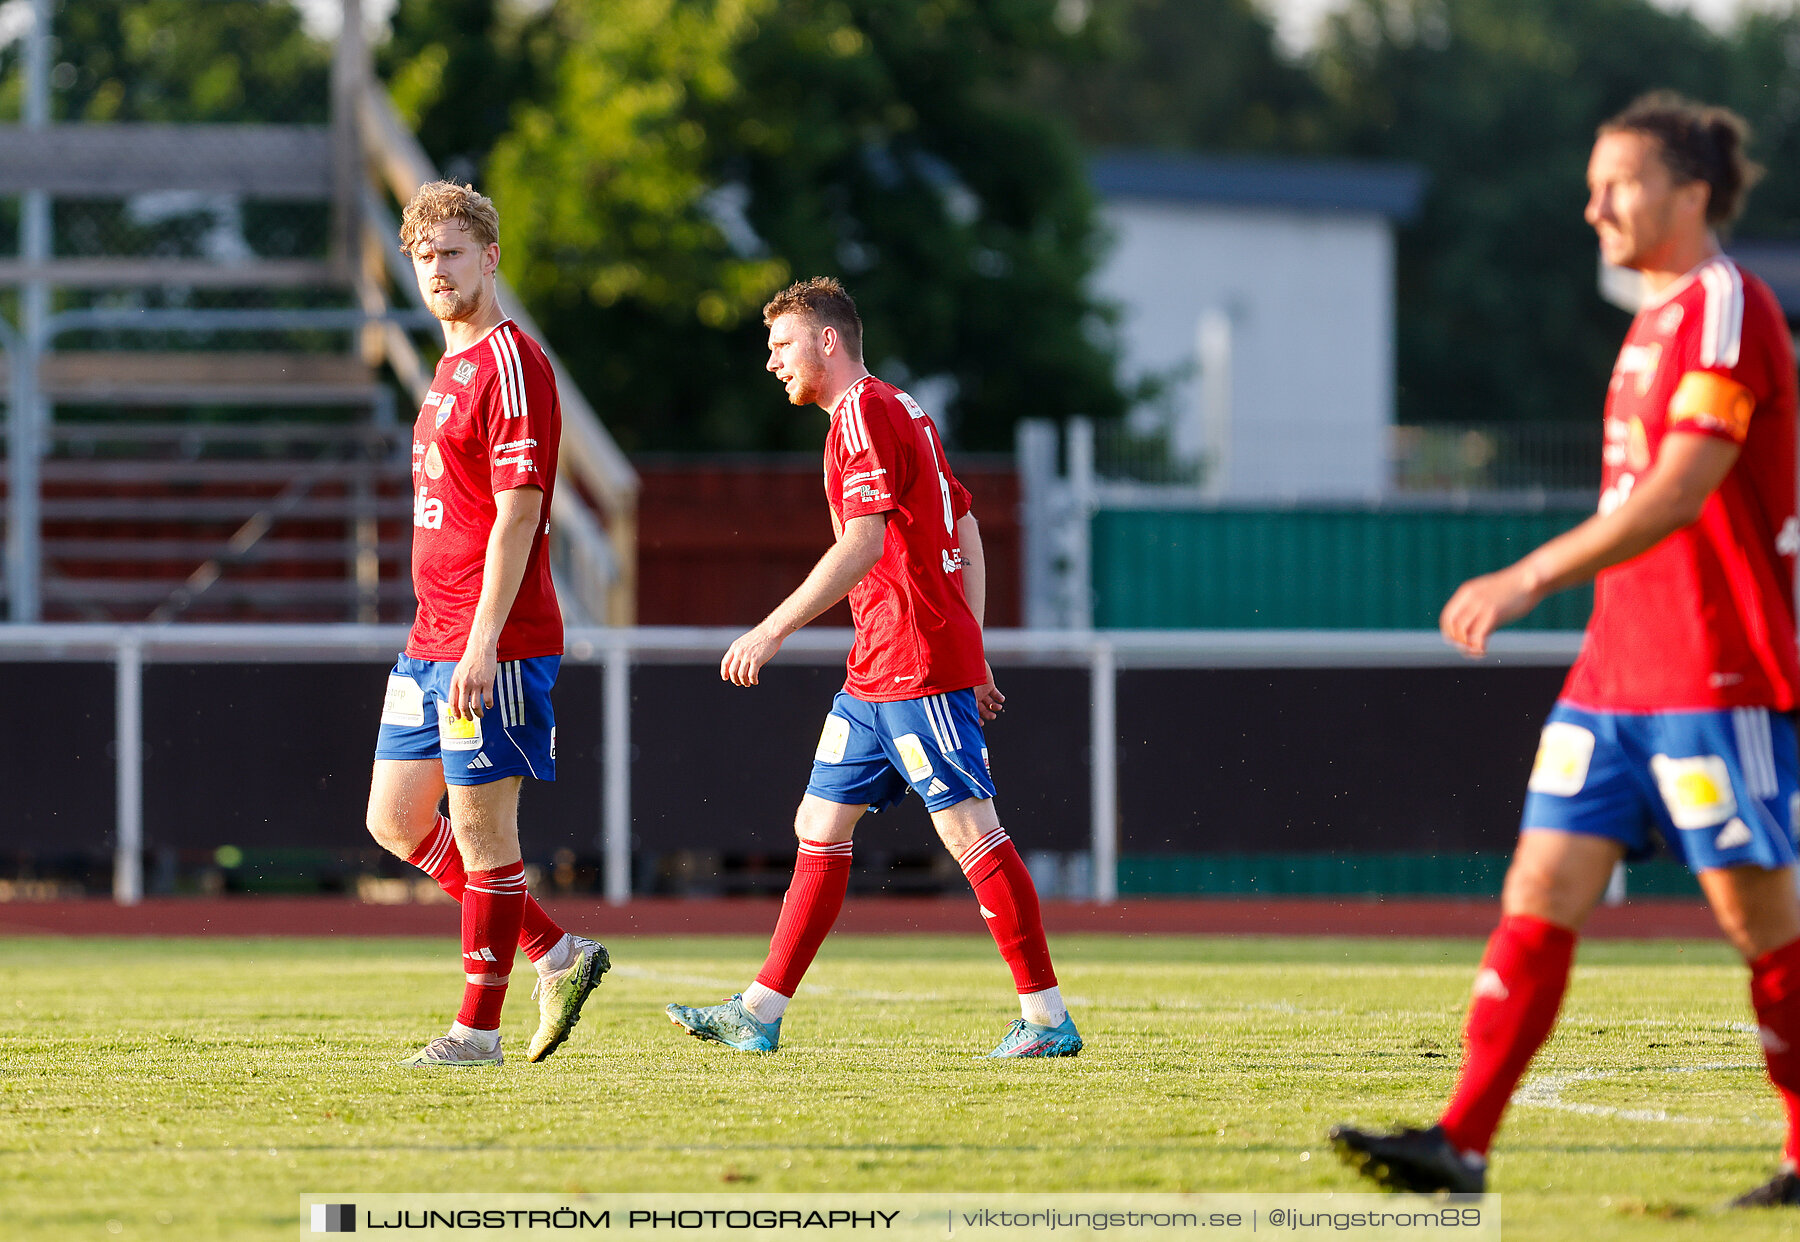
[814, 897]
[1517, 993]
[438, 857]
[493, 905]
[1775, 991]
[1009, 903]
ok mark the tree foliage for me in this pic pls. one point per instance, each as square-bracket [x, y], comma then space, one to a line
[664, 164]
[697, 154]
[1499, 317]
[1198, 75]
[176, 61]
[458, 68]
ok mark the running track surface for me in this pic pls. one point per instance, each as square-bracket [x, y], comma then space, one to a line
[338, 916]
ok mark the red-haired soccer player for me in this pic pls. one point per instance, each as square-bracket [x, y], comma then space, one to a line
[908, 554]
[1675, 720]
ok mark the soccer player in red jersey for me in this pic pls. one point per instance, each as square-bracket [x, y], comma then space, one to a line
[908, 554]
[1675, 720]
[468, 703]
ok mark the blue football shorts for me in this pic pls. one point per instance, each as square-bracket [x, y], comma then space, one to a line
[1720, 788]
[875, 752]
[515, 737]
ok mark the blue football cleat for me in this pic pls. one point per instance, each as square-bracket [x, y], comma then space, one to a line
[728, 1023]
[1028, 1039]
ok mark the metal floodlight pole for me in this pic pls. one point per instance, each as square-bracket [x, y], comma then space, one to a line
[616, 774]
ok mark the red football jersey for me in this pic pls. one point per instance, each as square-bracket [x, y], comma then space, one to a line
[915, 634]
[1705, 619]
[491, 422]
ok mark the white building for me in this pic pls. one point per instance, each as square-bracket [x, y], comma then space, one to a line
[1264, 290]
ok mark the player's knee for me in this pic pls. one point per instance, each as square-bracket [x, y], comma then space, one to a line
[392, 832]
[1544, 892]
[822, 822]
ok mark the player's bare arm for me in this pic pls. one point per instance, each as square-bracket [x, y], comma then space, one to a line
[518, 511]
[1670, 496]
[988, 699]
[843, 566]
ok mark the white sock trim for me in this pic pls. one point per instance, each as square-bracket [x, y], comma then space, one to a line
[1044, 1008]
[487, 1041]
[765, 1004]
[560, 957]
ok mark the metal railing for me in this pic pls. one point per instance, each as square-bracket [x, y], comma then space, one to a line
[1102, 653]
[1435, 458]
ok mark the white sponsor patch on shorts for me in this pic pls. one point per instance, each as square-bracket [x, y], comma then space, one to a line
[454, 734]
[913, 757]
[833, 738]
[405, 702]
[1564, 752]
[1697, 791]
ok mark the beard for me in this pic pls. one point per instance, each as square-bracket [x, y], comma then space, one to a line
[453, 305]
[809, 382]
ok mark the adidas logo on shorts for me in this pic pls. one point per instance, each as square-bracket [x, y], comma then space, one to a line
[935, 788]
[480, 761]
[1736, 833]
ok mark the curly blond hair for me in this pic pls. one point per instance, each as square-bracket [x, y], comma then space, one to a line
[441, 201]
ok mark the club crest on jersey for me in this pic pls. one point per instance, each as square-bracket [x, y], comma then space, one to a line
[465, 371]
[444, 408]
[1638, 363]
[1669, 319]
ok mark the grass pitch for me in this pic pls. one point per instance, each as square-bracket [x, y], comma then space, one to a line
[189, 1089]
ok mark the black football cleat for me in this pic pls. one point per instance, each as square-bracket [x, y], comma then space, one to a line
[1416, 1161]
[1782, 1190]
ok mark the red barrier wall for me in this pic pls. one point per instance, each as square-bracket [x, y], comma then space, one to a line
[721, 542]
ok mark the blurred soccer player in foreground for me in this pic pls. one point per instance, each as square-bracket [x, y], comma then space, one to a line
[908, 554]
[468, 703]
[1674, 721]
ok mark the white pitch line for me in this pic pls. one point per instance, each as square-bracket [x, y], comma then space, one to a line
[1546, 1092]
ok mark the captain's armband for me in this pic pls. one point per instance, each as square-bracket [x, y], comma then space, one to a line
[1710, 402]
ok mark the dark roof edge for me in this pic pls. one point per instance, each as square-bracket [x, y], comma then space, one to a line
[1385, 188]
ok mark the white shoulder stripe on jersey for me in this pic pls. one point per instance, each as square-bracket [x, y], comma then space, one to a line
[856, 431]
[508, 350]
[505, 377]
[856, 435]
[1722, 327]
[518, 370]
[862, 425]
